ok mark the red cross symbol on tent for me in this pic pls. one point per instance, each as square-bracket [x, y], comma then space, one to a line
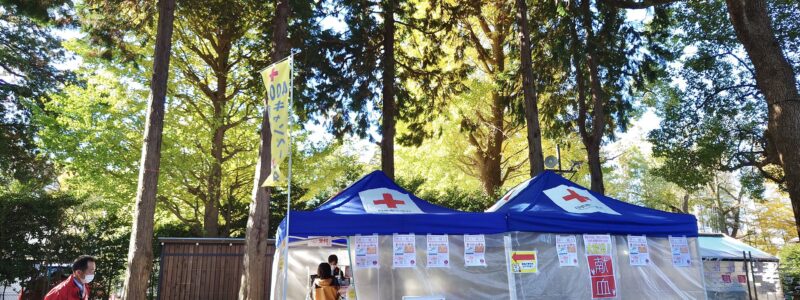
[388, 201]
[573, 195]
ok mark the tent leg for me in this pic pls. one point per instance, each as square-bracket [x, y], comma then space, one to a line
[747, 275]
[753, 273]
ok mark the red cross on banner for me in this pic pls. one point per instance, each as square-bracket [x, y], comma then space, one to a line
[585, 203]
[273, 74]
[388, 201]
[573, 195]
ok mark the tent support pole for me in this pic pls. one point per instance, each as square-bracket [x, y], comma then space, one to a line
[753, 273]
[747, 275]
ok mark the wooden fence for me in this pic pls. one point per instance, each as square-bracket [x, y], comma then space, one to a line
[203, 268]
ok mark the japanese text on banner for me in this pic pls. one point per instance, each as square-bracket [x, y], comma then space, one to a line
[277, 80]
[601, 266]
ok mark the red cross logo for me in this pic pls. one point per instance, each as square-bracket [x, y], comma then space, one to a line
[388, 201]
[573, 195]
[272, 75]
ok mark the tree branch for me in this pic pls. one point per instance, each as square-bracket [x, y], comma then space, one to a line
[632, 4]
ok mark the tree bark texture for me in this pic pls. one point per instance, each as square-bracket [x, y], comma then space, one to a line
[593, 140]
[254, 284]
[389, 106]
[535, 155]
[140, 250]
[776, 79]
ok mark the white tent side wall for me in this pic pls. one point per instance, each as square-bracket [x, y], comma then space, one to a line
[659, 280]
[454, 282]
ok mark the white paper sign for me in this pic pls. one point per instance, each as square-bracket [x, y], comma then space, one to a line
[577, 200]
[597, 244]
[567, 248]
[387, 201]
[681, 257]
[320, 241]
[404, 251]
[366, 251]
[438, 251]
[474, 250]
[638, 251]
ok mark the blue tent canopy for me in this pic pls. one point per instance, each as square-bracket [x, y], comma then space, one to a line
[376, 204]
[551, 203]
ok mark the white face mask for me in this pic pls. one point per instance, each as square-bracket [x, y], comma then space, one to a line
[88, 278]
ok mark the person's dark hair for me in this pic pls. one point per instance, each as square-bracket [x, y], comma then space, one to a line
[324, 271]
[333, 259]
[82, 263]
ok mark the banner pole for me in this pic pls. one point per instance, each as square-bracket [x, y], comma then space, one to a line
[289, 180]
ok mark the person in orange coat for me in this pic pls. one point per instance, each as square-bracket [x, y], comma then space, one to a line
[326, 287]
[76, 287]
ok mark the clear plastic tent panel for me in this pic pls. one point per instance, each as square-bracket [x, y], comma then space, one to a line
[303, 262]
[454, 282]
[659, 280]
[728, 279]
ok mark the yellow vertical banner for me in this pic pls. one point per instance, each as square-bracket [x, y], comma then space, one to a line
[277, 80]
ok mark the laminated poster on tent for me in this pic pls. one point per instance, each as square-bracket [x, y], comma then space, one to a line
[474, 250]
[681, 257]
[567, 248]
[438, 251]
[638, 251]
[601, 266]
[404, 251]
[366, 251]
[524, 261]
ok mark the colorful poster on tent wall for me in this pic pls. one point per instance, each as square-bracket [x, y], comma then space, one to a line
[524, 261]
[638, 251]
[474, 250]
[681, 257]
[567, 248]
[404, 251]
[601, 266]
[438, 251]
[366, 251]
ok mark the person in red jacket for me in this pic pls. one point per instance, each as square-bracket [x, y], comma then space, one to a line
[76, 287]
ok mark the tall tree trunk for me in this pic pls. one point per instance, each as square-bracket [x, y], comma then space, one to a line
[598, 101]
[254, 284]
[685, 203]
[535, 156]
[140, 249]
[776, 79]
[389, 109]
[214, 182]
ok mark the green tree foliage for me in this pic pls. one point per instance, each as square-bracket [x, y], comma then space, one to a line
[714, 116]
[790, 269]
[51, 230]
[29, 52]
